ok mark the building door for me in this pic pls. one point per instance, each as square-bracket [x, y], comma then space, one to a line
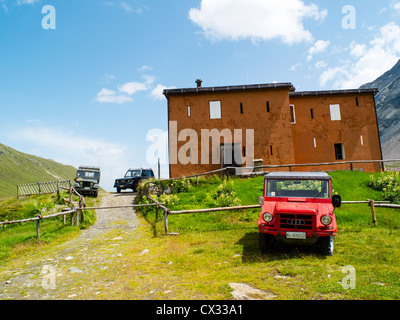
[231, 155]
[339, 151]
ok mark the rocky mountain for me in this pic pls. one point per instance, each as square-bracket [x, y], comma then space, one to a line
[388, 110]
[20, 168]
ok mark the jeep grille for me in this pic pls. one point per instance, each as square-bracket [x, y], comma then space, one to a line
[296, 221]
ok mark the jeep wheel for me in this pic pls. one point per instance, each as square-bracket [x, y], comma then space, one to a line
[265, 242]
[327, 244]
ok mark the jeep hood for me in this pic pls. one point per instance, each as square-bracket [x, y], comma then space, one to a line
[128, 178]
[87, 180]
[297, 207]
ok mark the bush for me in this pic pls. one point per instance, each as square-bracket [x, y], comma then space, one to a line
[225, 196]
[389, 184]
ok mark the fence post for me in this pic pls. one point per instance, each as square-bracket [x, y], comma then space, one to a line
[38, 227]
[72, 218]
[372, 205]
[166, 222]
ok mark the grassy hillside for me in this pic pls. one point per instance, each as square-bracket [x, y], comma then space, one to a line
[20, 168]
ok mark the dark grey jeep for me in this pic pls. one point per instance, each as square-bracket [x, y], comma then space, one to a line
[132, 179]
[87, 180]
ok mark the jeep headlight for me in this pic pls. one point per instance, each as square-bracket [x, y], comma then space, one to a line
[267, 216]
[326, 220]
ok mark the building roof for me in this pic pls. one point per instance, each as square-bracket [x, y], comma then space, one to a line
[288, 85]
[332, 92]
[298, 175]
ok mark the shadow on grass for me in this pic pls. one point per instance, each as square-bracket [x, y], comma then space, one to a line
[279, 251]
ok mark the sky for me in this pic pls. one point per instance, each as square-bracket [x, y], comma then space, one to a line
[81, 81]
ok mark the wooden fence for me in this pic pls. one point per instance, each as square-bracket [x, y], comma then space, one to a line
[41, 187]
[167, 212]
[76, 212]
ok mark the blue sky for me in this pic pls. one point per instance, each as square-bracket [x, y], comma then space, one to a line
[89, 91]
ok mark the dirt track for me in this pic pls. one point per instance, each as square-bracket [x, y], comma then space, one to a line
[82, 268]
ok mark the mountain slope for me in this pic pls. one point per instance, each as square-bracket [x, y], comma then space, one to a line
[388, 110]
[20, 168]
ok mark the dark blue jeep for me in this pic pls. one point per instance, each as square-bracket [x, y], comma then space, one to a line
[132, 179]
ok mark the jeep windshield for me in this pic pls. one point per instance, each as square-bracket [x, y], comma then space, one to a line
[298, 188]
[88, 174]
[132, 173]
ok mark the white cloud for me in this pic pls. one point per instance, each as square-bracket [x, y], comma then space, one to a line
[21, 2]
[125, 92]
[295, 66]
[372, 60]
[111, 96]
[258, 20]
[157, 92]
[318, 47]
[128, 8]
[396, 6]
[132, 87]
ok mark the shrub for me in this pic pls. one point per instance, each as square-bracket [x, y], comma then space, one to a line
[225, 196]
[389, 184]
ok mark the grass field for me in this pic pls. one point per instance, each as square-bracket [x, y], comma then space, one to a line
[18, 238]
[215, 249]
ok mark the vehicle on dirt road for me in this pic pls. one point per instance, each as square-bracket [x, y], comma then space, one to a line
[298, 208]
[132, 179]
[87, 180]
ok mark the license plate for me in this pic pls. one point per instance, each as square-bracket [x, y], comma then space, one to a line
[122, 186]
[295, 235]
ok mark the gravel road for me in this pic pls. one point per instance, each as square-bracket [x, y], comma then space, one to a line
[81, 268]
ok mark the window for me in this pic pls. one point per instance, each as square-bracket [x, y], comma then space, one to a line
[267, 106]
[335, 112]
[215, 109]
[270, 150]
[292, 114]
[339, 151]
[241, 108]
[312, 113]
[188, 111]
[357, 104]
[362, 140]
[315, 143]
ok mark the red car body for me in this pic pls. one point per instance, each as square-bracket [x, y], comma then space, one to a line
[298, 208]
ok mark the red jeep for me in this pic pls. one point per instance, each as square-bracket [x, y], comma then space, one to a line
[298, 208]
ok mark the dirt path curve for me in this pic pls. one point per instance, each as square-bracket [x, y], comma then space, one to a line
[82, 268]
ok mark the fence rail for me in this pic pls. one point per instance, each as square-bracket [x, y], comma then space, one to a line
[167, 212]
[41, 187]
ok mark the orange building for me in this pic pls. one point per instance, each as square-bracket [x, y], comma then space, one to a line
[270, 124]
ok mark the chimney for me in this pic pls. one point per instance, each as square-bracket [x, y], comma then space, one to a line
[198, 82]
